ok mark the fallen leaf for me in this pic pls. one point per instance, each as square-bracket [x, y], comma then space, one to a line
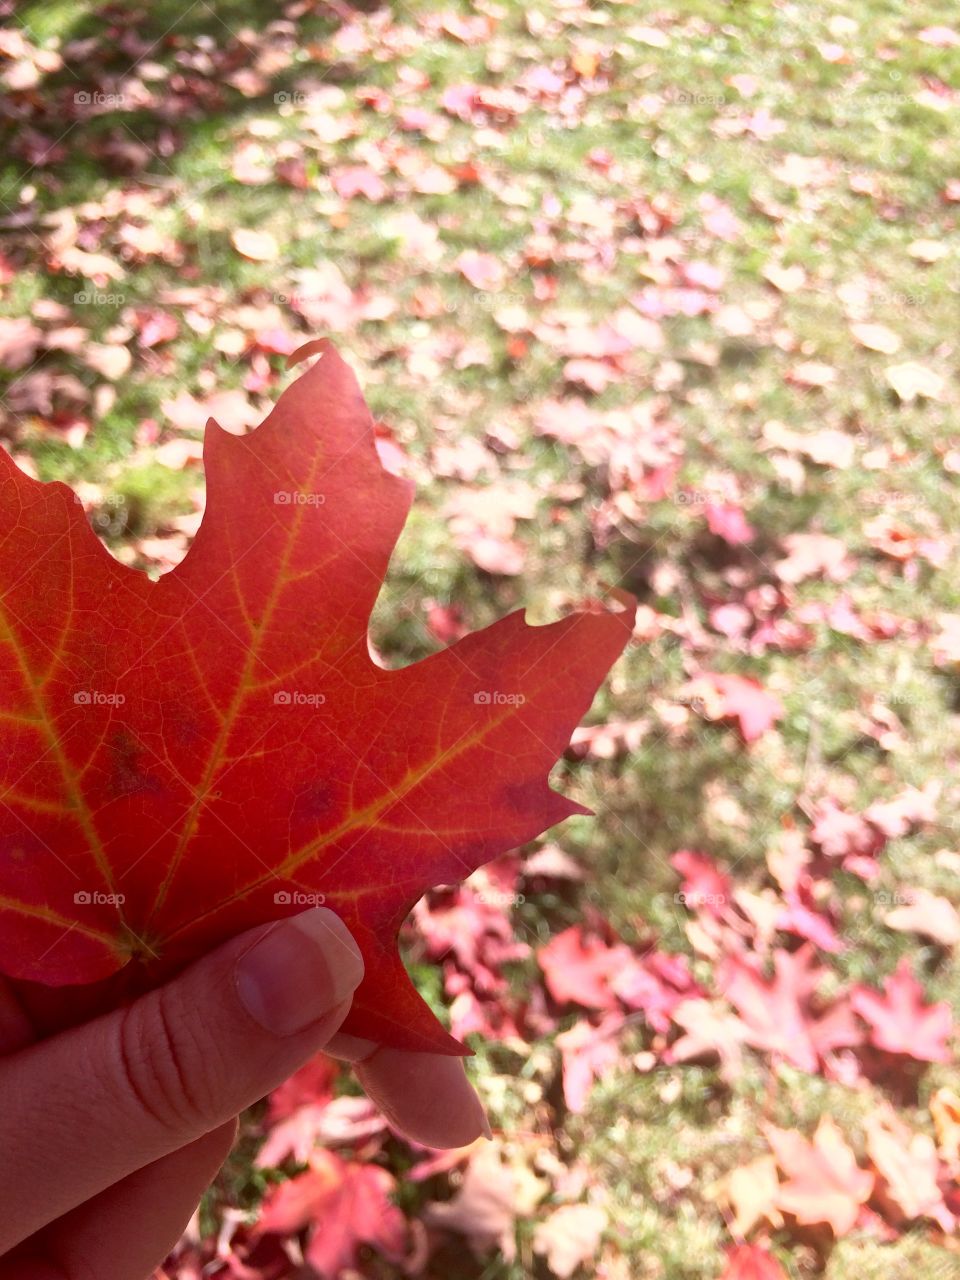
[928, 915]
[258, 246]
[588, 1054]
[945, 1113]
[578, 968]
[709, 1030]
[733, 697]
[346, 1205]
[493, 1195]
[824, 1183]
[482, 270]
[751, 1191]
[900, 1021]
[876, 337]
[751, 1262]
[908, 1167]
[570, 1237]
[778, 1014]
[912, 381]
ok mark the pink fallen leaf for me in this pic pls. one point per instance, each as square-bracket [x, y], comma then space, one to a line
[901, 1021]
[588, 1054]
[579, 967]
[779, 1014]
[727, 521]
[824, 1183]
[359, 180]
[482, 270]
[734, 697]
[928, 915]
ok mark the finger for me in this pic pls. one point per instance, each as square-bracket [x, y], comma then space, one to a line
[15, 1029]
[87, 1107]
[130, 1228]
[427, 1096]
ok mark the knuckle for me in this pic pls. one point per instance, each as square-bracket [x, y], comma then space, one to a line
[162, 1066]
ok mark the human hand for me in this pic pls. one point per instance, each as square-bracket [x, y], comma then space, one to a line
[111, 1131]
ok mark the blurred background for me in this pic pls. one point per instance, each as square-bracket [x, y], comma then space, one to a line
[663, 297]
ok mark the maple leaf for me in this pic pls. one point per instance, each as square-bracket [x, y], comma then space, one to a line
[751, 1262]
[709, 1029]
[777, 1013]
[900, 1021]
[589, 1054]
[349, 1205]
[579, 968]
[824, 1182]
[569, 1237]
[732, 697]
[908, 1164]
[186, 758]
[494, 1193]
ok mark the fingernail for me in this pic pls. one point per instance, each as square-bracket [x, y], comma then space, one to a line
[298, 972]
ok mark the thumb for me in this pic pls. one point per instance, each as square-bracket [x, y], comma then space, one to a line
[87, 1107]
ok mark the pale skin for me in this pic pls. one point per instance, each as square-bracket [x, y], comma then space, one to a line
[110, 1132]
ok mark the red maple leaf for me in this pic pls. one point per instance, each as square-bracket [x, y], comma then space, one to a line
[751, 1262]
[901, 1022]
[185, 758]
[346, 1204]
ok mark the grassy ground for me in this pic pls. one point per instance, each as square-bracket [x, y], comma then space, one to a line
[886, 154]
